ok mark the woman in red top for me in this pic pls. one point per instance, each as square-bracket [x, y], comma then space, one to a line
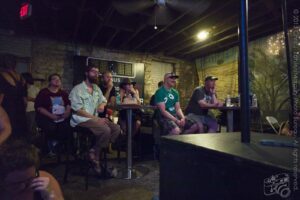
[53, 110]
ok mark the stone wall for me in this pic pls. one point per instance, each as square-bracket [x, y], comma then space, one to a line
[50, 56]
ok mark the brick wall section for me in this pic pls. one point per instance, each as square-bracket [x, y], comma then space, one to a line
[188, 80]
[50, 56]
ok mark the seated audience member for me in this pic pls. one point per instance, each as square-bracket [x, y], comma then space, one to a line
[129, 95]
[152, 99]
[87, 101]
[109, 92]
[53, 110]
[13, 95]
[5, 128]
[32, 92]
[20, 177]
[172, 118]
[204, 97]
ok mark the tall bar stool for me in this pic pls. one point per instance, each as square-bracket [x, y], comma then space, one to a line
[83, 141]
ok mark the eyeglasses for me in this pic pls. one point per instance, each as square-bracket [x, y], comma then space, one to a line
[20, 186]
[171, 77]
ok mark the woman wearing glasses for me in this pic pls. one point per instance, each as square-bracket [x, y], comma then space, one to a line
[53, 110]
[19, 177]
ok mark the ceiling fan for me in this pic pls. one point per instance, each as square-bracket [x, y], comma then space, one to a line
[161, 11]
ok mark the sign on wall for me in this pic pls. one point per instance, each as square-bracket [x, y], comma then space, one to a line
[119, 70]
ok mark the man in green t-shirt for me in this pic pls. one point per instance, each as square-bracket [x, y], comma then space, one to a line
[172, 118]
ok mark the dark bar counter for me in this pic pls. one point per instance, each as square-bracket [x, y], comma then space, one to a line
[219, 166]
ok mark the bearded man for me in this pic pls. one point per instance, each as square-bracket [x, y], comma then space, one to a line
[87, 101]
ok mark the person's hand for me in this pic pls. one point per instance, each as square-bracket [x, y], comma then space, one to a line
[101, 109]
[56, 117]
[212, 90]
[110, 84]
[182, 122]
[42, 185]
[215, 104]
[220, 104]
[177, 122]
[102, 120]
[66, 115]
[132, 90]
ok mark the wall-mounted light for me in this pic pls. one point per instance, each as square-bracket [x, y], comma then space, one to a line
[202, 35]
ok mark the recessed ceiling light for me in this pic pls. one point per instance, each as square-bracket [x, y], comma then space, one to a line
[202, 35]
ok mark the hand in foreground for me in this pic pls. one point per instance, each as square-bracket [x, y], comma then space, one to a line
[41, 184]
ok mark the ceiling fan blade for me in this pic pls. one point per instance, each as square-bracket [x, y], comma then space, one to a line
[162, 15]
[132, 6]
[193, 7]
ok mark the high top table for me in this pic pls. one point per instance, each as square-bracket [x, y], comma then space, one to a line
[130, 172]
[229, 113]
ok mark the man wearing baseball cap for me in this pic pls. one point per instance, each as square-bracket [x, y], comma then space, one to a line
[204, 97]
[171, 116]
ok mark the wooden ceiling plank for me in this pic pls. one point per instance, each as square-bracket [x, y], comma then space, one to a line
[163, 29]
[79, 19]
[191, 52]
[222, 30]
[193, 23]
[112, 38]
[108, 15]
[137, 31]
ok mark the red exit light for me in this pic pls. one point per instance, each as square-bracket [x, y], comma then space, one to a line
[25, 10]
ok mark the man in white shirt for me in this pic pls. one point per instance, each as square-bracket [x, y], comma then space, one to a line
[87, 101]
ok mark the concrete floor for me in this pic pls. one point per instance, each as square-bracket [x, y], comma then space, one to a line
[143, 188]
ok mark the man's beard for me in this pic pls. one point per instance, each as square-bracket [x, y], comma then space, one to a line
[93, 79]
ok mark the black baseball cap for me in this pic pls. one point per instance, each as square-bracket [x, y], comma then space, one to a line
[211, 78]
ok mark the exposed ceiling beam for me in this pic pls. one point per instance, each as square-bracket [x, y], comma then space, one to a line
[192, 24]
[137, 31]
[175, 47]
[229, 44]
[223, 29]
[79, 19]
[231, 36]
[112, 24]
[164, 28]
[55, 28]
[119, 26]
[107, 16]
[112, 37]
